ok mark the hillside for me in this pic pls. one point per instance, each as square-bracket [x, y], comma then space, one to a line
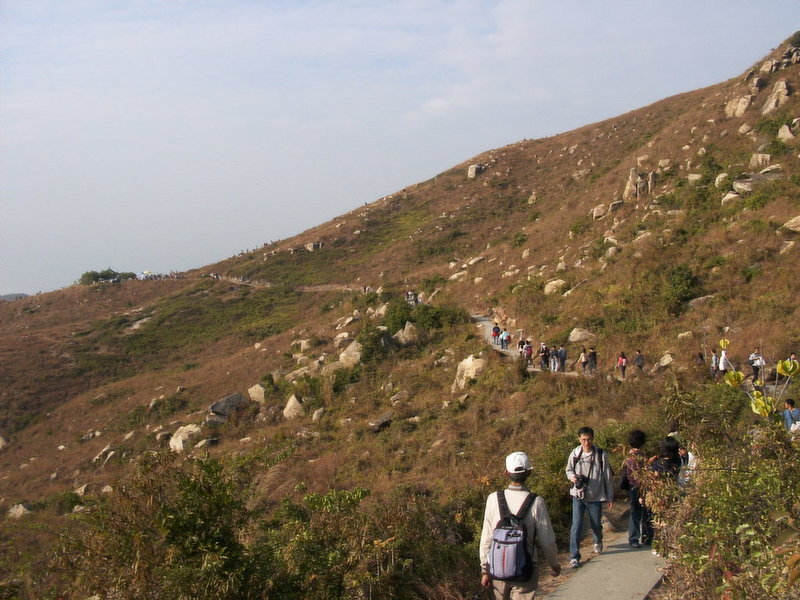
[664, 229]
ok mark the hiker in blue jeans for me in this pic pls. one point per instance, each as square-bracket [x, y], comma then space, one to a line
[592, 480]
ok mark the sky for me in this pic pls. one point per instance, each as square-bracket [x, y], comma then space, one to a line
[160, 135]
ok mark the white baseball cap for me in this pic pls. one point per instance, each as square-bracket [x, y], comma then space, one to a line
[517, 462]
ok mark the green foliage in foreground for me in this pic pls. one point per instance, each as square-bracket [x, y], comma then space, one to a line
[190, 530]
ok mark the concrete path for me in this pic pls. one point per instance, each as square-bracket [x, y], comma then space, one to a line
[619, 573]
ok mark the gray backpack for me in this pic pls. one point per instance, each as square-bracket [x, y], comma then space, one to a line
[509, 558]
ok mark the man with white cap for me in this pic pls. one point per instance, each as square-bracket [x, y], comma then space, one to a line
[539, 531]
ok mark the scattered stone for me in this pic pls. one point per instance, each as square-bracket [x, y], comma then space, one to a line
[407, 336]
[18, 511]
[664, 362]
[318, 414]
[599, 211]
[580, 335]
[474, 170]
[207, 442]
[686, 335]
[729, 197]
[760, 160]
[228, 405]
[293, 408]
[179, 439]
[694, 177]
[468, 369]
[745, 128]
[107, 489]
[399, 397]
[258, 393]
[103, 453]
[695, 302]
[786, 247]
[785, 134]
[792, 225]
[554, 286]
[81, 491]
[351, 355]
[720, 180]
[381, 422]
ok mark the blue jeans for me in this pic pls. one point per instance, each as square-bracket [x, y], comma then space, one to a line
[579, 508]
[640, 521]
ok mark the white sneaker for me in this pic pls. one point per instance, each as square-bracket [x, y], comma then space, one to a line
[574, 563]
[598, 548]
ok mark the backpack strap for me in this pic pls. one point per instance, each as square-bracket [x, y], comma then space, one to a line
[526, 506]
[503, 504]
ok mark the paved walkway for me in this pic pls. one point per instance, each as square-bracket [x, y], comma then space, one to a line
[619, 573]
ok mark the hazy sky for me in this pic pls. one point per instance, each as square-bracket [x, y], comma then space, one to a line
[169, 134]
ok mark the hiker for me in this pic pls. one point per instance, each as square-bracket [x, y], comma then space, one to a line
[562, 358]
[544, 357]
[714, 367]
[521, 347]
[528, 352]
[725, 363]
[592, 480]
[536, 525]
[504, 339]
[640, 524]
[791, 415]
[554, 359]
[592, 358]
[496, 334]
[638, 362]
[583, 359]
[622, 364]
[756, 363]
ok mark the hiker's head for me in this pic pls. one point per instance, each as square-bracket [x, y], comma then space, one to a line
[669, 447]
[637, 438]
[586, 437]
[790, 403]
[518, 466]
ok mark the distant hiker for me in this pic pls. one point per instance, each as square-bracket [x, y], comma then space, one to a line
[714, 366]
[725, 363]
[553, 359]
[544, 357]
[505, 337]
[583, 359]
[521, 347]
[756, 363]
[640, 526]
[638, 363]
[495, 334]
[592, 480]
[511, 511]
[562, 359]
[528, 352]
[592, 358]
[791, 415]
[622, 364]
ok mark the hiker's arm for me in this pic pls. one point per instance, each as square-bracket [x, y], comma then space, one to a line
[545, 536]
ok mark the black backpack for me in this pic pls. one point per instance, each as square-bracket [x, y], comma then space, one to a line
[509, 558]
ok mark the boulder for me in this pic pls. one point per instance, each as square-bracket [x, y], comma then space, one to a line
[720, 180]
[474, 170]
[777, 98]
[229, 404]
[695, 302]
[599, 211]
[786, 247]
[408, 335]
[331, 368]
[578, 335]
[743, 186]
[351, 355]
[738, 106]
[181, 438]
[760, 160]
[468, 369]
[686, 335]
[729, 197]
[554, 286]
[341, 339]
[318, 414]
[785, 134]
[3, 442]
[694, 177]
[18, 511]
[381, 422]
[293, 408]
[103, 453]
[792, 225]
[745, 128]
[297, 374]
[664, 362]
[258, 393]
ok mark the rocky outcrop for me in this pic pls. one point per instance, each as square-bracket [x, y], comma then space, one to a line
[738, 106]
[792, 225]
[258, 393]
[18, 511]
[468, 369]
[228, 405]
[778, 97]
